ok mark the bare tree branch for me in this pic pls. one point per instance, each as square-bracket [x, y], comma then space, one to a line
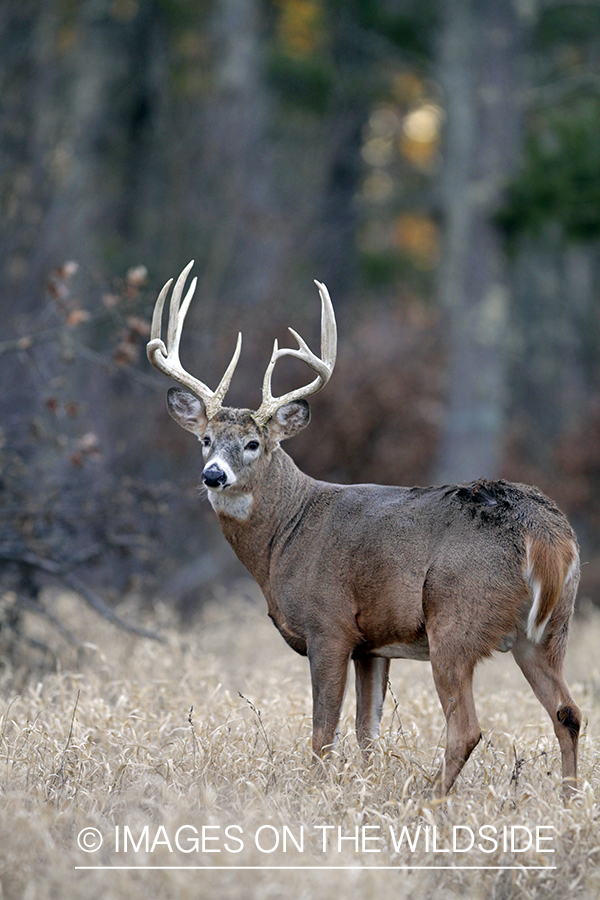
[61, 571]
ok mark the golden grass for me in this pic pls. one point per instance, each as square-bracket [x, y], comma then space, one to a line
[107, 741]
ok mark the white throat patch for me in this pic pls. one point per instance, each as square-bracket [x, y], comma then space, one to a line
[238, 506]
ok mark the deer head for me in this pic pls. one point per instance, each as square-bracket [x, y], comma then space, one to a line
[237, 442]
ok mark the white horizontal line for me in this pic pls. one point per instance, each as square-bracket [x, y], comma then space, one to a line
[312, 868]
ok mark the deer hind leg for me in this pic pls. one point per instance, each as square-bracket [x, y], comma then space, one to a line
[329, 675]
[543, 671]
[454, 684]
[371, 684]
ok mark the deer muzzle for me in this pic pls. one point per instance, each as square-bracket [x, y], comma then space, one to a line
[215, 477]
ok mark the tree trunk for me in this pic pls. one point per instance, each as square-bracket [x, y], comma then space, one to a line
[555, 343]
[479, 68]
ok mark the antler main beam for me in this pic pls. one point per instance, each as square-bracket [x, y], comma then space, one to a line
[322, 365]
[166, 358]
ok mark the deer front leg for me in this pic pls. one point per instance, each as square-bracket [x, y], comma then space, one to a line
[329, 675]
[371, 684]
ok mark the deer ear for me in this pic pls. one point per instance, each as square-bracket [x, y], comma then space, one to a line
[187, 410]
[289, 420]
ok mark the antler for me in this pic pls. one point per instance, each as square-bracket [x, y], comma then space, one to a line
[322, 366]
[166, 358]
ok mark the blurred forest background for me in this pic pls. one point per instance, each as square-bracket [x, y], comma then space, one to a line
[435, 164]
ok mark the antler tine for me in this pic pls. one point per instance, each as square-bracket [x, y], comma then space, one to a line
[176, 318]
[225, 381]
[157, 315]
[166, 358]
[322, 366]
[328, 327]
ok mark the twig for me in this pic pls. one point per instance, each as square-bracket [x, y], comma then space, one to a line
[132, 371]
[395, 709]
[25, 341]
[61, 769]
[50, 565]
[520, 762]
[439, 744]
[4, 716]
[195, 742]
[260, 723]
[516, 772]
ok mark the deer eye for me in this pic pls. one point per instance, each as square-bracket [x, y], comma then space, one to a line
[206, 441]
[252, 445]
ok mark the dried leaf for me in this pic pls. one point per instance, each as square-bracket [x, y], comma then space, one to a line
[77, 317]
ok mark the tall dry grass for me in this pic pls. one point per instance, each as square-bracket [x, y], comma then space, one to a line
[108, 742]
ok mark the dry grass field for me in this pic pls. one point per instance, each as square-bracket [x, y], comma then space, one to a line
[200, 804]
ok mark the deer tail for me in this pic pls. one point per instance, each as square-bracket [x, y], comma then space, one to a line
[550, 566]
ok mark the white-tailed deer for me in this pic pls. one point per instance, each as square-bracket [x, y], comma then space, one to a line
[370, 573]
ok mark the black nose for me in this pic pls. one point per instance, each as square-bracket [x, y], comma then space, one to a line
[213, 476]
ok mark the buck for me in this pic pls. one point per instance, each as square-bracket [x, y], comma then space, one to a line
[370, 573]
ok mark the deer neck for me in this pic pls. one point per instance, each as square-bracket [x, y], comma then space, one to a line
[253, 522]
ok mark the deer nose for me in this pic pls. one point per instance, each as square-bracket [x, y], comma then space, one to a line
[213, 476]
